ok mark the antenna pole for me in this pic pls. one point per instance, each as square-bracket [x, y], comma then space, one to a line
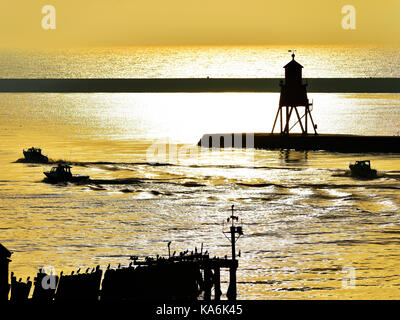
[233, 230]
[233, 238]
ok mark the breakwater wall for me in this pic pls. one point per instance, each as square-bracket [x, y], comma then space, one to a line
[329, 142]
[340, 85]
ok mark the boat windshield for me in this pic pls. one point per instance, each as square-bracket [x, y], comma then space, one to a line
[363, 164]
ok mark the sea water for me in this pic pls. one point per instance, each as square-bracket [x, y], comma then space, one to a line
[310, 230]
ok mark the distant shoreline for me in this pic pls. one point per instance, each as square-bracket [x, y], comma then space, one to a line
[328, 85]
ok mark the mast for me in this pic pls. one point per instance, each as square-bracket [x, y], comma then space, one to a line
[235, 233]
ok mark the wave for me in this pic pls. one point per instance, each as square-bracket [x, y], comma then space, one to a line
[88, 163]
[115, 181]
[96, 184]
[116, 166]
[306, 289]
[96, 163]
[320, 186]
[157, 164]
[261, 185]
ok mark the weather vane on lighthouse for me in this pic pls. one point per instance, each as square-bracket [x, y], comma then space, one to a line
[293, 52]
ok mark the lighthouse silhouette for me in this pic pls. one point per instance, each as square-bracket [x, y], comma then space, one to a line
[293, 96]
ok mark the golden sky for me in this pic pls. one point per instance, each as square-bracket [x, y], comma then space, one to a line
[201, 22]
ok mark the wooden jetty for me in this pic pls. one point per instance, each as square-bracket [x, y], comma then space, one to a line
[295, 110]
[187, 276]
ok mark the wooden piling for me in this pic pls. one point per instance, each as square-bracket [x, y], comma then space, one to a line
[208, 283]
[5, 255]
[217, 284]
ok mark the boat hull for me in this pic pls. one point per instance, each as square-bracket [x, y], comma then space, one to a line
[75, 178]
[372, 173]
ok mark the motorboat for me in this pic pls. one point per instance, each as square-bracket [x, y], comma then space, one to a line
[362, 169]
[62, 173]
[35, 155]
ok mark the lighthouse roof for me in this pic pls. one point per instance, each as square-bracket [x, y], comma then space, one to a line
[293, 64]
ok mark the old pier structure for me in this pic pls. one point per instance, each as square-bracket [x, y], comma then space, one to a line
[185, 276]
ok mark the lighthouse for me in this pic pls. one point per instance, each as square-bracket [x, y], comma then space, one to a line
[294, 110]
[293, 102]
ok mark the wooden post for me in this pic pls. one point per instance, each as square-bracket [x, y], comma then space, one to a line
[287, 120]
[232, 291]
[288, 115]
[5, 255]
[4, 285]
[298, 117]
[217, 284]
[207, 283]
[312, 121]
[306, 120]
[276, 118]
